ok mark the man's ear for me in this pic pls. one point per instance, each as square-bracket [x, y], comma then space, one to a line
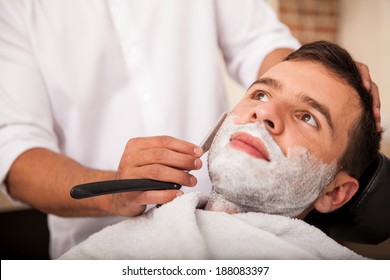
[339, 192]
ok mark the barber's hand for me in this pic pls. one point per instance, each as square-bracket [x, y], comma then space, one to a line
[373, 88]
[160, 158]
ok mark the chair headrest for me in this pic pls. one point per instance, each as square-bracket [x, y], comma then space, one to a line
[366, 217]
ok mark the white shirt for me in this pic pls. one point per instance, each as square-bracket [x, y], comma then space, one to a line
[83, 77]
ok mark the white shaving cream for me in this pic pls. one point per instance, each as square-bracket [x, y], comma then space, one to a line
[285, 185]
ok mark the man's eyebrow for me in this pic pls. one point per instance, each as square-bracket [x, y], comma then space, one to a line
[276, 84]
[270, 82]
[322, 109]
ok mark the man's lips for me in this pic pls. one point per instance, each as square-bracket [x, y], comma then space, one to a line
[249, 144]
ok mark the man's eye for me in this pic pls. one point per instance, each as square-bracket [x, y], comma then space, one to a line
[260, 95]
[309, 119]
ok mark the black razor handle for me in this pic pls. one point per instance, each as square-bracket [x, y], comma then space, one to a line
[117, 186]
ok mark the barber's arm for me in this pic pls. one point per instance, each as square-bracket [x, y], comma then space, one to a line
[34, 170]
[43, 178]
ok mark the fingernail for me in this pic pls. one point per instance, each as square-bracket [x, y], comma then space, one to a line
[193, 181]
[367, 85]
[197, 163]
[179, 193]
[198, 151]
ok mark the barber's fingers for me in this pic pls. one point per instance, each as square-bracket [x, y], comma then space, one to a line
[373, 88]
[165, 157]
[365, 74]
[376, 105]
[158, 197]
[158, 157]
[168, 142]
[130, 204]
[163, 173]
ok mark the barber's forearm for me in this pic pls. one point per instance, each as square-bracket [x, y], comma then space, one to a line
[272, 59]
[43, 179]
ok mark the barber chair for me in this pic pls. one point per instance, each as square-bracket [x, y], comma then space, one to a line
[365, 218]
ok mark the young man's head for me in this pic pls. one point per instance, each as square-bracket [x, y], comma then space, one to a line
[298, 139]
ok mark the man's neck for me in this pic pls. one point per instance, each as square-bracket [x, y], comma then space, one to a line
[217, 202]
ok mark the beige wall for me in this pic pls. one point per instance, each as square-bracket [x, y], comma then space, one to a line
[364, 31]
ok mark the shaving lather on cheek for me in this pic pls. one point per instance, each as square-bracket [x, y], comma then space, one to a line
[272, 183]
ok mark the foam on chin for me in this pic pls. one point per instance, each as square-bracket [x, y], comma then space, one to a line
[286, 185]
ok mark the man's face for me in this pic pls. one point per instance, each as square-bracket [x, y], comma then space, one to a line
[301, 104]
[303, 115]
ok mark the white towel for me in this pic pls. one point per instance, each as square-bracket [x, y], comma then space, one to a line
[179, 230]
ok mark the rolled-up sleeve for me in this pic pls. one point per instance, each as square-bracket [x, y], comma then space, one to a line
[26, 120]
[248, 31]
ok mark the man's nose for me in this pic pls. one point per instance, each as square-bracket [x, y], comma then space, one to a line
[270, 115]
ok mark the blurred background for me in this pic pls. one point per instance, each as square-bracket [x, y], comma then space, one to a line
[360, 26]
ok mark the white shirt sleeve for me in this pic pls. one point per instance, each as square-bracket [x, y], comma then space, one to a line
[25, 116]
[247, 32]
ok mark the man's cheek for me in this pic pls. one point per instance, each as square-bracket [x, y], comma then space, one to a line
[241, 114]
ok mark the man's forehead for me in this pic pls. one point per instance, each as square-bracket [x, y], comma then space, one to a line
[270, 82]
[308, 77]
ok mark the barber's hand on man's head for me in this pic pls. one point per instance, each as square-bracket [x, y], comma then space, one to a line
[160, 158]
[373, 88]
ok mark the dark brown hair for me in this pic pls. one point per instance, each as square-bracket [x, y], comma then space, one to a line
[364, 140]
